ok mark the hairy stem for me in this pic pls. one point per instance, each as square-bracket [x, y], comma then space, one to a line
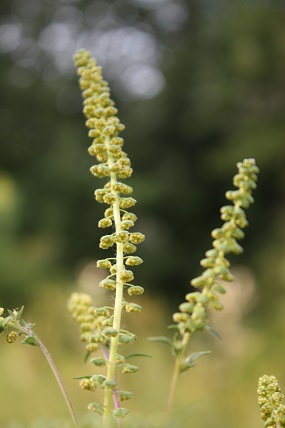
[53, 367]
[111, 373]
[173, 385]
[175, 374]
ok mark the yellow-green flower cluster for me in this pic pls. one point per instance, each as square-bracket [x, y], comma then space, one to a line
[192, 316]
[96, 326]
[115, 165]
[96, 331]
[269, 400]
[83, 312]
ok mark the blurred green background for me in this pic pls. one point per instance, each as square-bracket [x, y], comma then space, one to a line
[200, 85]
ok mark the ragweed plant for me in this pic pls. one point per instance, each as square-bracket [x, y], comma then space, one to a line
[192, 316]
[100, 327]
[103, 325]
[269, 400]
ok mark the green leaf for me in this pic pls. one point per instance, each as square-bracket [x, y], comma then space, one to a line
[82, 377]
[161, 339]
[87, 355]
[188, 362]
[137, 355]
[30, 340]
[19, 314]
[195, 356]
[213, 332]
[173, 327]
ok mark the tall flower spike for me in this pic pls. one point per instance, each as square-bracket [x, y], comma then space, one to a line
[192, 316]
[269, 400]
[113, 165]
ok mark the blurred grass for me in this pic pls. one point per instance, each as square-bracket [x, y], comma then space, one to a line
[220, 392]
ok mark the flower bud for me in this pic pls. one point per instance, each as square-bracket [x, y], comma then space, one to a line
[219, 289]
[218, 306]
[98, 361]
[212, 253]
[224, 273]
[108, 212]
[242, 222]
[111, 384]
[180, 317]
[136, 238]
[96, 408]
[106, 241]
[99, 195]
[100, 171]
[122, 188]
[129, 216]
[98, 379]
[238, 233]
[97, 338]
[122, 237]
[127, 338]
[120, 359]
[133, 261]
[129, 368]
[92, 347]
[193, 297]
[207, 262]
[113, 269]
[110, 332]
[87, 384]
[126, 276]
[120, 412]
[105, 222]
[127, 224]
[135, 290]
[108, 321]
[129, 248]
[110, 198]
[109, 130]
[11, 337]
[132, 307]
[104, 264]
[124, 395]
[118, 141]
[126, 203]
[125, 172]
[186, 307]
[109, 284]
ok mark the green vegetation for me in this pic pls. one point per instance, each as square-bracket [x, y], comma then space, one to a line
[101, 327]
[199, 85]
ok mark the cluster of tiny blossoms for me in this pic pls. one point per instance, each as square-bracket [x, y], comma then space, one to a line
[101, 327]
[96, 328]
[114, 165]
[269, 400]
[5, 323]
[192, 316]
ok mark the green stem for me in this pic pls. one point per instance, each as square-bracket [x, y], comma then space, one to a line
[111, 372]
[173, 385]
[53, 367]
[176, 372]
